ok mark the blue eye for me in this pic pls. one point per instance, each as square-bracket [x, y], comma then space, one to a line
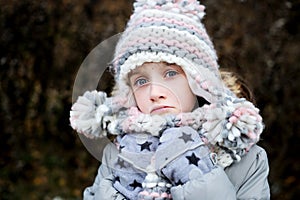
[171, 73]
[140, 82]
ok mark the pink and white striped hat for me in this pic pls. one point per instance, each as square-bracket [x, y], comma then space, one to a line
[169, 31]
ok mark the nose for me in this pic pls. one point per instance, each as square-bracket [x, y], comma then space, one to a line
[157, 92]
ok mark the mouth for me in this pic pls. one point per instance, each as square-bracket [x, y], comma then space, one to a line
[161, 109]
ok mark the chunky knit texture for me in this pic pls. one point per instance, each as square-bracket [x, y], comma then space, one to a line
[169, 31]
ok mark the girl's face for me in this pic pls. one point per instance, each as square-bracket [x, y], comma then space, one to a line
[161, 88]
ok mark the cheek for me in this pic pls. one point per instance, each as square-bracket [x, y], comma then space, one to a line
[186, 97]
[140, 99]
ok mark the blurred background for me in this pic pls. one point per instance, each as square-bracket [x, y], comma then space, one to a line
[43, 43]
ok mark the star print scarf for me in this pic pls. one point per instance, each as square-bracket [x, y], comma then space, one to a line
[230, 127]
[149, 165]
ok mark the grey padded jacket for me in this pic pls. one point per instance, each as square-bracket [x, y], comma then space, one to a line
[247, 179]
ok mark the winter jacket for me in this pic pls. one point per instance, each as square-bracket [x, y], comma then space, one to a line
[246, 179]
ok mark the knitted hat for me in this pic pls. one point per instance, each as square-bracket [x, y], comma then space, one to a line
[168, 31]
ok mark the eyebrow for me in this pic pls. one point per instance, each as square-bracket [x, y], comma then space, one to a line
[135, 71]
[131, 73]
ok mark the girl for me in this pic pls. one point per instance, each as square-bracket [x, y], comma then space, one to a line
[181, 134]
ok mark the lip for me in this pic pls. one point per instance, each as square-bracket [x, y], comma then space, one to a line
[160, 109]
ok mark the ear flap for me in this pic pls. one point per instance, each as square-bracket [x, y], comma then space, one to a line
[123, 94]
[206, 84]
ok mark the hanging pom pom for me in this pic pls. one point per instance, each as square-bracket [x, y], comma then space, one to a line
[234, 124]
[87, 112]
